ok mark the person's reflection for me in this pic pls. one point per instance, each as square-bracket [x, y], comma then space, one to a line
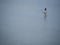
[45, 18]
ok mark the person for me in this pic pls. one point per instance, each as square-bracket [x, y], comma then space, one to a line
[45, 12]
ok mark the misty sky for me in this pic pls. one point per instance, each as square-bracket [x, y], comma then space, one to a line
[22, 22]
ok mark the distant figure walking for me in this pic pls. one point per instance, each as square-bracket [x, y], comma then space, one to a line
[45, 13]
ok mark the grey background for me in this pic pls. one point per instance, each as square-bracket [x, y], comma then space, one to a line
[22, 22]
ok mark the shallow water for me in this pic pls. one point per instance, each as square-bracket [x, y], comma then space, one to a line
[22, 22]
